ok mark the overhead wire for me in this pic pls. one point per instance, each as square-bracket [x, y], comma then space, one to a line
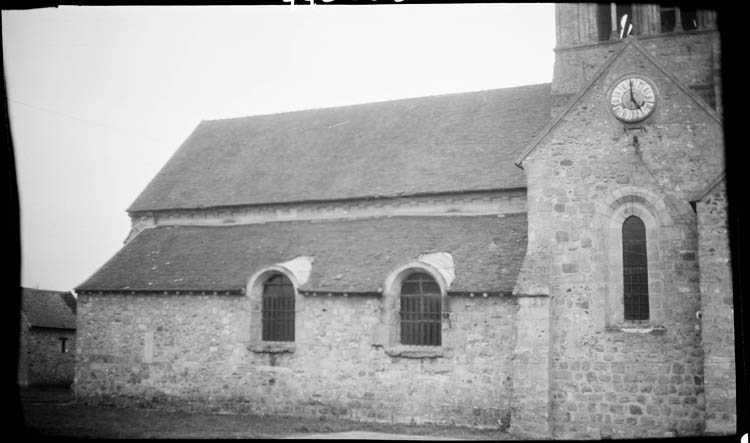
[63, 114]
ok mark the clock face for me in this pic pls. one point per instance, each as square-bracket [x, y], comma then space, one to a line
[633, 99]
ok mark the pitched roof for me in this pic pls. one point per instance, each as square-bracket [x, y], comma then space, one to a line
[631, 41]
[445, 143]
[49, 309]
[350, 255]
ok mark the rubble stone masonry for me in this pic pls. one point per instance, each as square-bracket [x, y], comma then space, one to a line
[195, 352]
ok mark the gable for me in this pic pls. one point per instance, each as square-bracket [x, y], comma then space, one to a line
[596, 77]
[680, 143]
[447, 143]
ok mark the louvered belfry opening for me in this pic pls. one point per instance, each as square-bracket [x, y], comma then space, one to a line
[421, 308]
[635, 269]
[278, 309]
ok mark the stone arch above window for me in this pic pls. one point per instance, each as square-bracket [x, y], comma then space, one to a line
[428, 277]
[274, 298]
[628, 195]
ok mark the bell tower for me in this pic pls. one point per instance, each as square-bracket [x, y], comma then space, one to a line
[685, 40]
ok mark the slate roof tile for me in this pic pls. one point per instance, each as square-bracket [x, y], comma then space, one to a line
[350, 255]
[445, 143]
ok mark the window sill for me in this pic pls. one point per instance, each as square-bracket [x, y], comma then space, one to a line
[271, 347]
[638, 329]
[415, 351]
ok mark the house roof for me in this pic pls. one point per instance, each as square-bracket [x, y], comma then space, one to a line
[349, 255]
[49, 309]
[445, 143]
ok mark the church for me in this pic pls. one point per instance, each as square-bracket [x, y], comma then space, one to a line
[551, 259]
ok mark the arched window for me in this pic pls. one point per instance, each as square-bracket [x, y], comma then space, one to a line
[635, 269]
[421, 308]
[614, 21]
[668, 18]
[278, 309]
[624, 20]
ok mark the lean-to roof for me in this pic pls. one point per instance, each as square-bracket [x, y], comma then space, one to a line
[349, 255]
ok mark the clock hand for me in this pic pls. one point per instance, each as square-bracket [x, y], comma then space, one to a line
[632, 98]
[630, 83]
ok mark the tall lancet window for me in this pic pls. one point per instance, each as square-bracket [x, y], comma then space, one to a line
[635, 269]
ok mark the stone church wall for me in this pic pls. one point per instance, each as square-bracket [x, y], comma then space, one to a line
[192, 352]
[610, 378]
[717, 313]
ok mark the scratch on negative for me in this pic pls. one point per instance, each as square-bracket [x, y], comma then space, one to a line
[338, 124]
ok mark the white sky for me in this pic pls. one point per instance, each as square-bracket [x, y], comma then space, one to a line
[101, 97]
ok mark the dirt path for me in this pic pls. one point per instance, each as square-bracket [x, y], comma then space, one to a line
[360, 435]
[53, 412]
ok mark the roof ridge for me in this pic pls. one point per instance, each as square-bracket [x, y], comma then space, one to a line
[393, 100]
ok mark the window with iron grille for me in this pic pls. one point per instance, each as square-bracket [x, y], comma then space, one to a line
[278, 309]
[635, 269]
[421, 308]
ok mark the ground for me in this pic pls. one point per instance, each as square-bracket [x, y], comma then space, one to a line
[53, 412]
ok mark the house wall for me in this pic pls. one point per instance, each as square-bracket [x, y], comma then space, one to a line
[717, 313]
[610, 378]
[46, 363]
[22, 377]
[195, 352]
